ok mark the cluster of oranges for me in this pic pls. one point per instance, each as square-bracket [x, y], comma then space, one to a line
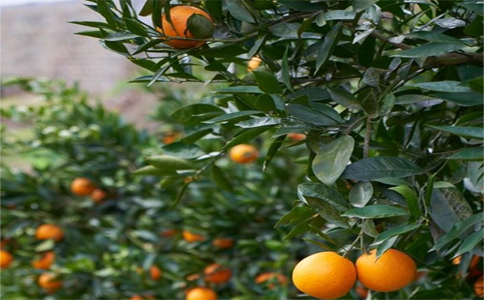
[85, 187]
[327, 275]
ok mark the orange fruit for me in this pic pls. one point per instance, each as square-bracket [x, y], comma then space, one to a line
[138, 297]
[296, 136]
[179, 16]
[243, 154]
[361, 292]
[392, 271]
[82, 187]
[271, 277]
[48, 282]
[479, 287]
[474, 261]
[98, 195]
[324, 275]
[217, 274]
[193, 277]
[45, 261]
[49, 231]
[192, 237]
[201, 293]
[168, 233]
[223, 243]
[6, 259]
[254, 63]
[155, 273]
[170, 137]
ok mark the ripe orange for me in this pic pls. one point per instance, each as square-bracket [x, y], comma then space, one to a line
[479, 287]
[170, 137]
[48, 282]
[474, 261]
[155, 273]
[192, 237]
[296, 136]
[98, 195]
[217, 274]
[138, 297]
[201, 293]
[243, 154]
[82, 187]
[254, 63]
[6, 259]
[392, 271]
[179, 16]
[361, 292]
[45, 261]
[223, 243]
[324, 275]
[49, 231]
[271, 277]
[168, 233]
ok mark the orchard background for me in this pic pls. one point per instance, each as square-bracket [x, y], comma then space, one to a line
[362, 123]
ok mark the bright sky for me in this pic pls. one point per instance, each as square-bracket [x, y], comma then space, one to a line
[19, 2]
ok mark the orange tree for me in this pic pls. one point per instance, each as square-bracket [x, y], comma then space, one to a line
[388, 94]
[79, 221]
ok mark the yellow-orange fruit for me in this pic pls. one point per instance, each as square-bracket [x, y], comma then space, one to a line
[98, 195]
[270, 277]
[192, 237]
[243, 154]
[170, 137]
[392, 271]
[45, 261]
[479, 287]
[48, 282]
[6, 259]
[223, 243]
[217, 274]
[138, 297]
[168, 233]
[254, 63]
[324, 275]
[179, 16]
[201, 293]
[82, 187]
[49, 231]
[155, 273]
[296, 136]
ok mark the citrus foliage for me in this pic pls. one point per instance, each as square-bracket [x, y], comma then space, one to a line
[131, 242]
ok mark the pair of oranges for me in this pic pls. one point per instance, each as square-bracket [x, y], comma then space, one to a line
[85, 187]
[327, 275]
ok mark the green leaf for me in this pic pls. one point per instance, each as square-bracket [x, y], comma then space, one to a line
[275, 145]
[399, 230]
[45, 246]
[245, 89]
[475, 171]
[285, 76]
[182, 150]
[236, 116]
[375, 212]
[267, 82]
[296, 215]
[344, 98]
[239, 10]
[321, 191]
[470, 242]
[319, 244]
[105, 11]
[430, 49]
[258, 122]
[153, 171]
[331, 159]
[167, 162]
[411, 197]
[219, 178]
[457, 230]
[468, 132]
[361, 194]
[196, 113]
[361, 5]
[309, 115]
[147, 8]
[339, 15]
[381, 167]
[473, 154]
[433, 36]
[329, 44]
[383, 247]
[200, 27]
[257, 45]
[448, 206]
[448, 86]
[326, 211]
[246, 135]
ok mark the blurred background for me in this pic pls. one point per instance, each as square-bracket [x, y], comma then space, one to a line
[54, 51]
